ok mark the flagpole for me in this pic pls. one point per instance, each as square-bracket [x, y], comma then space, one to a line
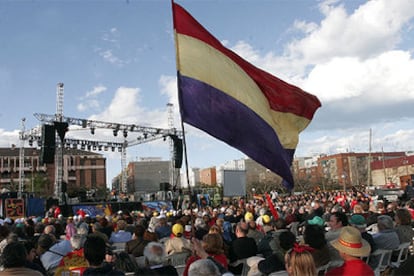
[178, 88]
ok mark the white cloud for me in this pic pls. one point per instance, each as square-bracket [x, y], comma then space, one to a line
[126, 108]
[111, 58]
[96, 91]
[371, 29]
[89, 101]
[9, 138]
[387, 78]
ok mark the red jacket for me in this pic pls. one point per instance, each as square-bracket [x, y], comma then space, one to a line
[352, 268]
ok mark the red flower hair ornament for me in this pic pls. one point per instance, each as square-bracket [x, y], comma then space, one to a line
[297, 248]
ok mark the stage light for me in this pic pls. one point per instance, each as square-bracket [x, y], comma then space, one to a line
[119, 149]
[115, 132]
[92, 130]
[94, 147]
[99, 147]
[145, 135]
[125, 133]
[113, 148]
[105, 148]
[83, 147]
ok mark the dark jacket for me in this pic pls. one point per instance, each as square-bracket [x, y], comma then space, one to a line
[105, 269]
[136, 247]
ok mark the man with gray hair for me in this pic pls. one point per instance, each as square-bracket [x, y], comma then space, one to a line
[155, 257]
[77, 241]
[203, 267]
[387, 237]
[75, 258]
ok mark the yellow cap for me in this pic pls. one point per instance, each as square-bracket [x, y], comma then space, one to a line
[266, 219]
[248, 216]
[177, 229]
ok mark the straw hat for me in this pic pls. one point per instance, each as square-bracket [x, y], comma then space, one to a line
[350, 242]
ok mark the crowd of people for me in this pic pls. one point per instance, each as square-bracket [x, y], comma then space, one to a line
[305, 234]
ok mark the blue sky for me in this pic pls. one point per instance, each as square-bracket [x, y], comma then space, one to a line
[117, 61]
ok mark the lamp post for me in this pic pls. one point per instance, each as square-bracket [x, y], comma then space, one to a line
[344, 180]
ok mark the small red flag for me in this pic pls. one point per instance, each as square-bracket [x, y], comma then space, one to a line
[271, 207]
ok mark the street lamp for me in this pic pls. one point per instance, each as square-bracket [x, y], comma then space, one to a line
[344, 180]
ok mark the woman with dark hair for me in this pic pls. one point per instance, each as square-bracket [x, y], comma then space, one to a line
[125, 263]
[31, 258]
[276, 261]
[314, 236]
[137, 244]
[14, 260]
[403, 226]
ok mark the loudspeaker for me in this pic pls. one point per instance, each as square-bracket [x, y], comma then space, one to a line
[61, 129]
[64, 187]
[164, 186]
[47, 152]
[178, 153]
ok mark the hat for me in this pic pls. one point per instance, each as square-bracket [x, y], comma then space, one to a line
[316, 221]
[248, 216]
[177, 229]
[350, 242]
[358, 221]
[265, 219]
[45, 241]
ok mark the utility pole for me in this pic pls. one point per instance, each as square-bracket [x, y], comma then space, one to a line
[369, 158]
[21, 159]
[171, 126]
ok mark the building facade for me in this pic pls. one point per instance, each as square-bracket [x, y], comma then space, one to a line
[345, 169]
[393, 172]
[81, 170]
[208, 176]
[147, 174]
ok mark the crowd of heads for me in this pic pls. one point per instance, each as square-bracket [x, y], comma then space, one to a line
[303, 218]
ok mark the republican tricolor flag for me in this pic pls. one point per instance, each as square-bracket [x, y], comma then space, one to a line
[236, 102]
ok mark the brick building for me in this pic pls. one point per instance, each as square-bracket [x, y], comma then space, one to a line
[81, 170]
[208, 176]
[347, 169]
[397, 171]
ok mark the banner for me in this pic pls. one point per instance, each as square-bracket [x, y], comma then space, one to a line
[14, 208]
[93, 210]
